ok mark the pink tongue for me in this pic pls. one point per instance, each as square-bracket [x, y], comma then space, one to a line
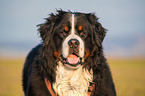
[73, 59]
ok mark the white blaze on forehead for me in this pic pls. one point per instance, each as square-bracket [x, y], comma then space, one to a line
[73, 23]
[65, 46]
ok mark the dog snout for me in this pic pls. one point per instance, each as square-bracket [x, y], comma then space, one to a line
[73, 43]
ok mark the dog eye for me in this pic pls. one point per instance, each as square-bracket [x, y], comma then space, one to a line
[81, 31]
[82, 34]
[63, 34]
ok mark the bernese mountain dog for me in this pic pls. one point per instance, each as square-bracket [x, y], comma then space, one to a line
[70, 60]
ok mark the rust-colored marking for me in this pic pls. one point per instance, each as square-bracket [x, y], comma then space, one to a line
[49, 87]
[87, 53]
[56, 54]
[66, 29]
[90, 90]
[80, 28]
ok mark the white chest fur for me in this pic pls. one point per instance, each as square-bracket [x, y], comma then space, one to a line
[72, 82]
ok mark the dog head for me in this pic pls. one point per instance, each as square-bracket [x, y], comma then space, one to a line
[72, 38]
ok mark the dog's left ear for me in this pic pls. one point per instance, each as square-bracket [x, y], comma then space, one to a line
[98, 31]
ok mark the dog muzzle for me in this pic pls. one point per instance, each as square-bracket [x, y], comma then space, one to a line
[73, 51]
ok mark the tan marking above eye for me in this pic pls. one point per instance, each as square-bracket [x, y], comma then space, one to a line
[66, 29]
[80, 28]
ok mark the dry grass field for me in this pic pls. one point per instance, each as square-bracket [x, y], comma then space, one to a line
[128, 75]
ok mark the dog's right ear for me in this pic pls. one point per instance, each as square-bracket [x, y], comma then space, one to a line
[46, 29]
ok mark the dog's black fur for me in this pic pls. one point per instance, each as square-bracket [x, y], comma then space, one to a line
[41, 62]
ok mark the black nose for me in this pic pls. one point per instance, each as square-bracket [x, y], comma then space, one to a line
[73, 43]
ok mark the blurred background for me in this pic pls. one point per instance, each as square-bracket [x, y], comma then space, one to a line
[124, 45]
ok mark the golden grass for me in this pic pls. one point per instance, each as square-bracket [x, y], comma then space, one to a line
[10, 77]
[128, 75]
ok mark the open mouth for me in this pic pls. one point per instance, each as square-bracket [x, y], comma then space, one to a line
[72, 61]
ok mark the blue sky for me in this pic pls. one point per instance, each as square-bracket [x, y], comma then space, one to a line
[124, 19]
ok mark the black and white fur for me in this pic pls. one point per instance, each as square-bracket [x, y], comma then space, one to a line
[49, 59]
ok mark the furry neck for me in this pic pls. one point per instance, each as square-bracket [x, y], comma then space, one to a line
[72, 82]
